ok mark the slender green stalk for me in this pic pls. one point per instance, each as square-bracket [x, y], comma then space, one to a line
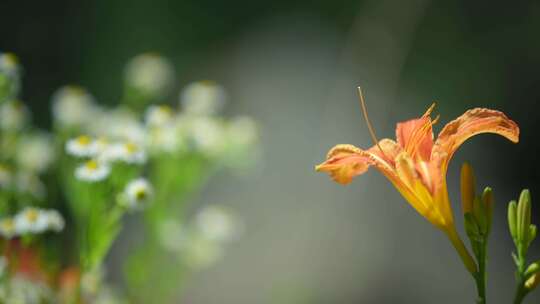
[521, 292]
[480, 276]
[520, 295]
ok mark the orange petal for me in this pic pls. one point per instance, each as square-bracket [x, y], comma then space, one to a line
[416, 135]
[344, 162]
[472, 122]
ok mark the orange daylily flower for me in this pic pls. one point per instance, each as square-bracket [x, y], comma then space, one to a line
[416, 164]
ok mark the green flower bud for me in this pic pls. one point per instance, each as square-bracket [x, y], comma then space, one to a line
[532, 269]
[532, 282]
[524, 216]
[512, 219]
[471, 227]
[488, 200]
[479, 211]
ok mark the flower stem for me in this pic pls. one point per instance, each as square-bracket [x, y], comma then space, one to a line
[468, 261]
[521, 292]
[520, 295]
[480, 276]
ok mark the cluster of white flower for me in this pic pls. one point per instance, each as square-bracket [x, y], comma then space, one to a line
[201, 242]
[100, 154]
[195, 127]
[31, 220]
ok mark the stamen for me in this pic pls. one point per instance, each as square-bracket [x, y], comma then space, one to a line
[429, 110]
[436, 120]
[417, 135]
[368, 122]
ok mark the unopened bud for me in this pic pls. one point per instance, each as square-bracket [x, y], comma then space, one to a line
[532, 269]
[524, 216]
[488, 200]
[471, 227]
[468, 185]
[479, 211]
[532, 282]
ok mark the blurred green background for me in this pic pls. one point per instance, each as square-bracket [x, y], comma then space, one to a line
[294, 65]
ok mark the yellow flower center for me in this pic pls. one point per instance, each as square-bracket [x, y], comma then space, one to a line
[83, 140]
[131, 148]
[76, 90]
[31, 215]
[8, 225]
[91, 165]
[140, 194]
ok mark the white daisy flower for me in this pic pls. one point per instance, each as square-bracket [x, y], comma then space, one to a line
[13, 115]
[101, 145]
[202, 98]
[55, 221]
[35, 152]
[150, 73]
[82, 146]
[73, 106]
[164, 139]
[172, 235]
[242, 131]
[200, 252]
[134, 132]
[92, 171]
[8, 228]
[128, 152]
[158, 116]
[207, 135]
[137, 194]
[217, 223]
[31, 220]
[118, 124]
